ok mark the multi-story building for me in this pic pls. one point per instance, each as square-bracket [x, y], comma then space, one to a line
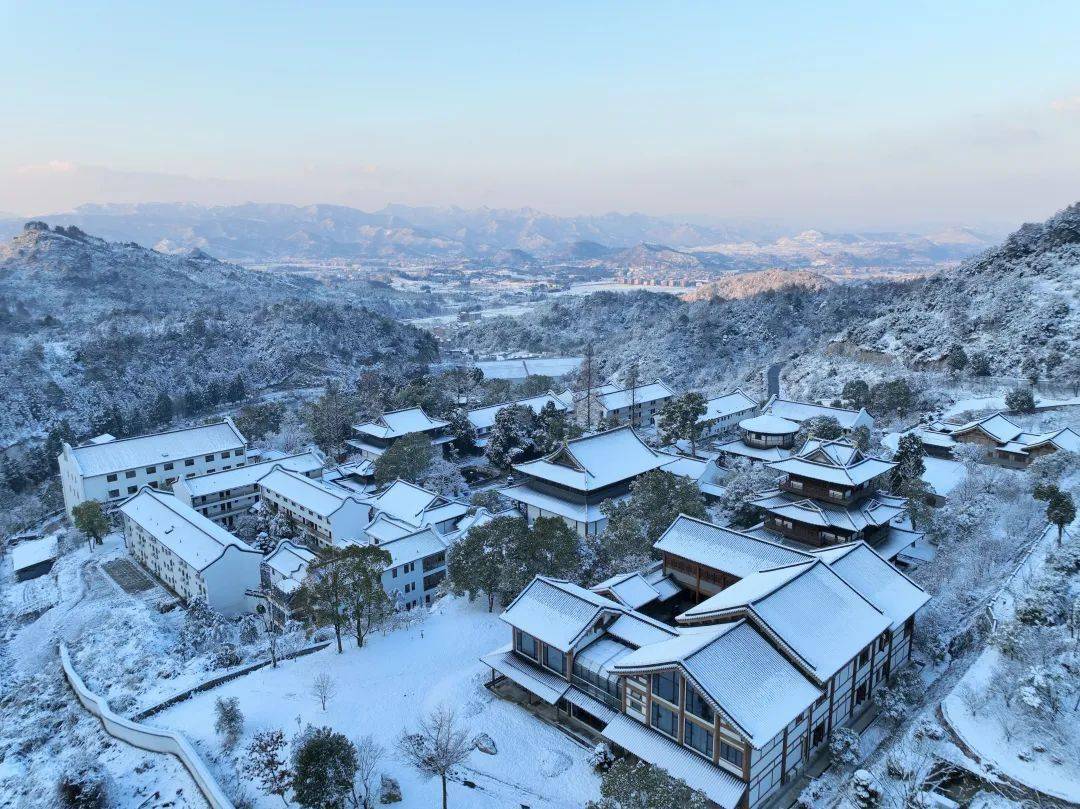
[222, 496]
[329, 517]
[282, 573]
[637, 406]
[830, 493]
[404, 507]
[111, 469]
[193, 556]
[743, 694]
[574, 480]
[483, 418]
[373, 438]
[763, 438]
[1003, 442]
[723, 413]
[804, 411]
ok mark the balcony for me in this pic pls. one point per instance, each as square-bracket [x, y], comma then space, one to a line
[816, 491]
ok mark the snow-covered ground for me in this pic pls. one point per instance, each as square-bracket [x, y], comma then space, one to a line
[386, 687]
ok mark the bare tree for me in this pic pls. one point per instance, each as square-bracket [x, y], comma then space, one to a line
[323, 688]
[437, 746]
[369, 754]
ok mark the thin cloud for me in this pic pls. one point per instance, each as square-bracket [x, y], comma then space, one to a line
[1070, 104]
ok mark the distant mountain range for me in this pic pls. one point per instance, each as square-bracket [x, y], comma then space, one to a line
[521, 238]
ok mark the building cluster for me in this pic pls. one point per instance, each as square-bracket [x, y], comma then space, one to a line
[729, 662]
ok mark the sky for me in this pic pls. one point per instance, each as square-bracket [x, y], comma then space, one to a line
[825, 114]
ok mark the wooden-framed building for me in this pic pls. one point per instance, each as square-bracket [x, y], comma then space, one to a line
[1002, 440]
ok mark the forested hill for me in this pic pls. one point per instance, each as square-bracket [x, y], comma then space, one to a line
[1018, 305]
[86, 325]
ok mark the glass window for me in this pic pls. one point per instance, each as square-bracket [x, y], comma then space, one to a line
[554, 659]
[665, 720]
[114, 492]
[110, 478]
[132, 489]
[732, 754]
[698, 706]
[209, 457]
[526, 645]
[666, 686]
[189, 462]
[695, 736]
[167, 467]
[130, 473]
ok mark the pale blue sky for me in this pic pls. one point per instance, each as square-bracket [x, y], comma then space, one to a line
[825, 114]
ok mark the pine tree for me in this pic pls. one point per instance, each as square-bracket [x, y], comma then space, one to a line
[1020, 399]
[463, 431]
[510, 441]
[630, 783]
[324, 766]
[237, 390]
[680, 419]
[229, 723]
[407, 458]
[330, 419]
[365, 598]
[192, 403]
[477, 562]
[957, 359]
[161, 412]
[1061, 511]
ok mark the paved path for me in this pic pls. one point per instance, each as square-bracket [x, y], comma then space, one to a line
[772, 379]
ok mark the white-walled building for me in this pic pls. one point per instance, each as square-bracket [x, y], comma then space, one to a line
[328, 515]
[637, 406]
[222, 496]
[374, 437]
[417, 566]
[193, 556]
[113, 469]
[283, 572]
[799, 412]
[483, 418]
[723, 413]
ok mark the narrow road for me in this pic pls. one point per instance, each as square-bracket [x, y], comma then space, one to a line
[772, 379]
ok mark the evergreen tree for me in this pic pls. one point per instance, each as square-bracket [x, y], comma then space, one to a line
[477, 562]
[325, 595]
[658, 497]
[330, 418]
[551, 429]
[89, 518]
[256, 421]
[510, 441]
[630, 783]
[161, 411]
[957, 359]
[366, 600]
[1060, 511]
[237, 390]
[407, 458]
[908, 460]
[1020, 399]
[192, 403]
[213, 393]
[856, 393]
[549, 548]
[463, 431]
[978, 364]
[824, 428]
[324, 767]
[680, 419]
[58, 435]
[229, 723]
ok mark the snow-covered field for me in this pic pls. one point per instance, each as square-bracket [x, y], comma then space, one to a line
[385, 688]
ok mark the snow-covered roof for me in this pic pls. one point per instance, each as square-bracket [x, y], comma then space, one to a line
[720, 786]
[187, 533]
[156, 448]
[385, 528]
[769, 425]
[942, 475]
[738, 671]
[598, 460]
[629, 589]
[877, 511]
[727, 405]
[686, 467]
[724, 548]
[559, 613]
[837, 461]
[802, 411]
[398, 423]
[33, 552]
[549, 687]
[998, 426]
[876, 580]
[312, 494]
[809, 607]
[483, 418]
[1066, 439]
[290, 561]
[556, 611]
[249, 475]
[413, 547]
[416, 505]
[743, 450]
[523, 493]
[618, 399]
[661, 582]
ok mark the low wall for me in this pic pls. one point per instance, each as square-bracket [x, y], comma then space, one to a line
[146, 738]
[221, 680]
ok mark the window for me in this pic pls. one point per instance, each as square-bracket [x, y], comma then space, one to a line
[225, 454]
[665, 720]
[114, 492]
[209, 457]
[698, 706]
[864, 656]
[666, 686]
[238, 452]
[167, 467]
[189, 462]
[132, 489]
[730, 753]
[151, 470]
[130, 473]
[393, 573]
[695, 736]
[526, 644]
[554, 659]
[111, 478]
[819, 734]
